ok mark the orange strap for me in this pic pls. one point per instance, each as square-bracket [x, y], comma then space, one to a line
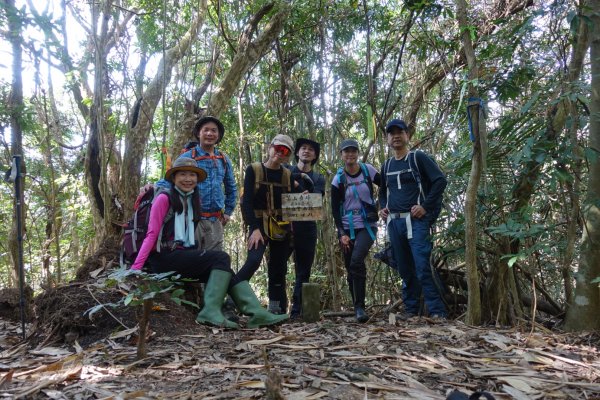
[217, 214]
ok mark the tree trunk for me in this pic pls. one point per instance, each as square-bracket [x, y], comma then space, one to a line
[504, 302]
[583, 312]
[474, 304]
[100, 152]
[249, 52]
[53, 209]
[16, 107]
[144, 322]
[137, 136]
[95, 162]
[573, 202]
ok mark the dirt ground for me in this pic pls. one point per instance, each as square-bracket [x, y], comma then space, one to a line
[69, 354]
[334, 358]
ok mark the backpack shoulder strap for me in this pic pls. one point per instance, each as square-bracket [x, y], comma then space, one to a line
[258, 174]
[386, 166]
[416, 173]
[341, 182]
[161, 240]
[367, 176]
[286, 179]
[386, 169]
[223, 158]
[414, 165]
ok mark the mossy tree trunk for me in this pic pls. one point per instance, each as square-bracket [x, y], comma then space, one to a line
[583, 312]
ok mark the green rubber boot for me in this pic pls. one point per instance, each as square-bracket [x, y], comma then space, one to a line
[247, 302]
[214, 293]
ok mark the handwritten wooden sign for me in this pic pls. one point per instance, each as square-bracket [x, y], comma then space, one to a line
[302, 207]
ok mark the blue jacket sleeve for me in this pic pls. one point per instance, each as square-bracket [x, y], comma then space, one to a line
[231, 192]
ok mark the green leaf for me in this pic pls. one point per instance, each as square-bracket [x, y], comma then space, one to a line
[149, 296]
[540, 157]
[583, 99]
[180, 301]
[93, 310]
[512, 261]
[162, 276]
[530, 103]
[128, 299]
[591, 155]
[564, 176]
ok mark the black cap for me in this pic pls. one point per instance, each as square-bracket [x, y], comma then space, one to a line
[203, 121]
[398, 123]
[315, 145]
[349, 143]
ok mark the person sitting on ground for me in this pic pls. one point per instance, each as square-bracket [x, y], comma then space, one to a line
[170, 245]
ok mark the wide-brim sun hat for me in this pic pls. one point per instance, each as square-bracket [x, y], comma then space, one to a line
[315, 145]
[206, 119]
[283, 140]
[186, 164]
[348, 143]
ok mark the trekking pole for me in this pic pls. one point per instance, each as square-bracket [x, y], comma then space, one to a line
[14, 175]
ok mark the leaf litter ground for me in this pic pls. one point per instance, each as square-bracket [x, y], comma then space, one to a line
[69, 354]
[334, 358]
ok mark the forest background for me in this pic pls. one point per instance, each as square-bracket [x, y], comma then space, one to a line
[96, 96]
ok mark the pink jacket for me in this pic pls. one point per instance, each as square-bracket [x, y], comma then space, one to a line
[159, 210]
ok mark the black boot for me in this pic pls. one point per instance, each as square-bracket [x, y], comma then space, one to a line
[277, 299]
[296, 310]
[359, 286]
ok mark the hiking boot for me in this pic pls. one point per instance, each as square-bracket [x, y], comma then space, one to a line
[361, 315]
[439, 317]
[296, 311]
[359, 288]
[274, 307]
[405, 316]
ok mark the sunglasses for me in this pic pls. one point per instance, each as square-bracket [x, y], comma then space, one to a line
[282, 149]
